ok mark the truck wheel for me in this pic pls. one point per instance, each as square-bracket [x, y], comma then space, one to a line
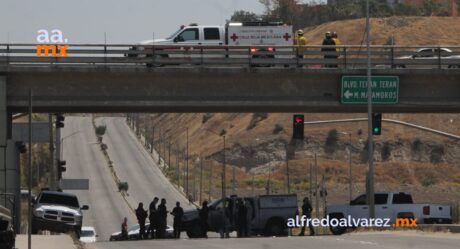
[275, 228]
[77, 231]
[337, 230]
[195, 230]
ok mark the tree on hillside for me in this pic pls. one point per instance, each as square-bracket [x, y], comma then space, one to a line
[244, 16]
[283, 10]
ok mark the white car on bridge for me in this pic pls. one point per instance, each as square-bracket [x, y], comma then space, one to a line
[429, 58]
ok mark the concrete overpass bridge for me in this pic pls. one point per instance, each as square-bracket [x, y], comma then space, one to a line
[103, 80]
[207, 89]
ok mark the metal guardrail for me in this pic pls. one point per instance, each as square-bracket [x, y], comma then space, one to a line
[343, 57]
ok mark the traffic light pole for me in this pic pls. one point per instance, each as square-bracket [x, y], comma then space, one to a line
[370, 190]
[52, 183]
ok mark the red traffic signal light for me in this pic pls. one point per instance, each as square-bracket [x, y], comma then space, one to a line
[298, 126]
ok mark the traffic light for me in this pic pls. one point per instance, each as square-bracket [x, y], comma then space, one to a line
[61, 168]
[298, 125]
[60, 120]
[376, 123]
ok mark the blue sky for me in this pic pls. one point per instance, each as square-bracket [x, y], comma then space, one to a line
[124, 21]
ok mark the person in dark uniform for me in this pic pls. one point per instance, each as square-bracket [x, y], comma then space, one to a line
[306, 210]
[242, 219]
[124, 229]
[162, 214]
[141, 215]
[177, 212]
[152, 217]
[204, 212]
[329, 48]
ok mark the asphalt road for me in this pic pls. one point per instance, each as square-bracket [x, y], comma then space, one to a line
[134, 165]
[349, 241]
[45, 242]
[85, 160]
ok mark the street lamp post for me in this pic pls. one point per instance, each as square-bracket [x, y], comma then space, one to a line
[224, 167]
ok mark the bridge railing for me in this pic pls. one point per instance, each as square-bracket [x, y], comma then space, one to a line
[344, 57]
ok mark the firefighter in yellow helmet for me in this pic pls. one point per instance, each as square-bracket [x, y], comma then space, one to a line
[335, 37]
[301, 42]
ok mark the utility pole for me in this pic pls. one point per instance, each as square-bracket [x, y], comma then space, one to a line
[29, 226]
[58, 150]
[316, 187]
[169, 153]
[210, 181]
[253, 182]
[153, 138]
[223, 174]
[159, 146]
[145, 132]
[287, 169]
[177, 166]
[311, 181]
[201, 177]
[233, 181]
[370, 190]
[349, 163]
[186, 166]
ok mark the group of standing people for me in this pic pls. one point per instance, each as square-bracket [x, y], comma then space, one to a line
[157, 216]
[330, 43]
[238, 219]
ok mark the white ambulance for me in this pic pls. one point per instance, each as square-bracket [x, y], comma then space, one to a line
[212, 37]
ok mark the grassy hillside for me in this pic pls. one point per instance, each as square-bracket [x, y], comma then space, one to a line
[405, 30]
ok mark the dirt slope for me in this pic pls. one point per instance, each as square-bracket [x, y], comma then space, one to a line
[405, 30]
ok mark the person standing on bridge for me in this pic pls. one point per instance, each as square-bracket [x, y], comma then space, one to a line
[162, 214]
[152, 217]
[306, 211]
[177, 212]
[124, 229]
[141, 215]
[300, 41]
[329, 49]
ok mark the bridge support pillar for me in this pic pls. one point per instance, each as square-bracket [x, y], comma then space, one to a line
[9, 160]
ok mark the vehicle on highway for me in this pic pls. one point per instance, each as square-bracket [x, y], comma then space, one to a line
[88, 235]
[133, 233]
[7, 234]
[391, 206]
[57, 212]
[268, 215]
[429, 58]
[213, 36]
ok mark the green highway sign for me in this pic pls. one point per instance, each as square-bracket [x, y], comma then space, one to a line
[385, 89]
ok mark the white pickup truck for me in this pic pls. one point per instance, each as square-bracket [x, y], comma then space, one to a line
[212, 37]
[57, 212]
[390, 206]
[266, 215]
